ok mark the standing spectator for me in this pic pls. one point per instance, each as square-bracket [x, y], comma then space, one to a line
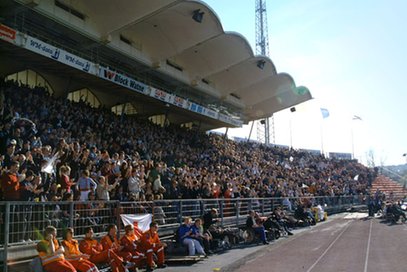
[8, 157]
[10, 184]
[85, 185]
[103, 189]
[65, 180]
[134, 185]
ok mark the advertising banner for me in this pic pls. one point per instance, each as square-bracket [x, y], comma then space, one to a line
[123, 80]
[60, 55]
[160, 95]
[7, 33]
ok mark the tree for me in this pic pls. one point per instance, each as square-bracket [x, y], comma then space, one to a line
[370, 158]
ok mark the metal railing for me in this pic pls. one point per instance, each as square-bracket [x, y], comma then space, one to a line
[22, 223]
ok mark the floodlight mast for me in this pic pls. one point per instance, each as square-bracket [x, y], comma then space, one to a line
[262, 48]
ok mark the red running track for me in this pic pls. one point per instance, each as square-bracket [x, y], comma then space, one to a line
[343, 244]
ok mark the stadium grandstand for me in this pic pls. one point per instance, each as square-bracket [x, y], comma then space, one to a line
[105, 113]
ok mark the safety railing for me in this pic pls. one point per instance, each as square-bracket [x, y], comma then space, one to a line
[22, 223]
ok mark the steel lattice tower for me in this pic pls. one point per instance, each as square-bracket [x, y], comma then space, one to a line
[262, 48]
[262, 39]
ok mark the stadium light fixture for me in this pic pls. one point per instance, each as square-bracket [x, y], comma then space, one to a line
[261, 64]
[197, 15]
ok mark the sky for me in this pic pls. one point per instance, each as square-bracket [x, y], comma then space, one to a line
[352, 56]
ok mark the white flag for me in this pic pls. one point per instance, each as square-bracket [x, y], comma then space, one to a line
[140, 221]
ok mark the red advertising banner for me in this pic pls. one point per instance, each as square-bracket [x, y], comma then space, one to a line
[7, 33]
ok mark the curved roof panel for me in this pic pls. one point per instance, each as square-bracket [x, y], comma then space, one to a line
[266, 88]
[268, 107]
[172, 30]
[243, 74]
[214, 55]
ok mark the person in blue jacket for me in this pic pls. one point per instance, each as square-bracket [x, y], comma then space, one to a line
[187, 238]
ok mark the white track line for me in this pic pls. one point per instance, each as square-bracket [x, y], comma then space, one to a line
[368, 246]
[329, 247]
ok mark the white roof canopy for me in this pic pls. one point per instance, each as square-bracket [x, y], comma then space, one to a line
[164, 30]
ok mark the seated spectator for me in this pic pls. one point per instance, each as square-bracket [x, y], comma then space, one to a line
[97, 255]
[302, 213]
[187, 238]
[198, 234]
[73, 255]
[395, 210]
[278, 216]
[110, 242]
[150, 243]
[51, 254]
[131, 242]
[210, 218]
[258, 229]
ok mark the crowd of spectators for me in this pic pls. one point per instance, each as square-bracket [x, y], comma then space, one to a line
[57, 149]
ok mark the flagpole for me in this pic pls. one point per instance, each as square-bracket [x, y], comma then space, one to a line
[325, 114]
[353, 144]
[354, 118]
[322, 138]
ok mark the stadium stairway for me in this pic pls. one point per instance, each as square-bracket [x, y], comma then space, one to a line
[387, 185]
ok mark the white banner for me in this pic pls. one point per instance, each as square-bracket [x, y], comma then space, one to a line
[124, 80]
[59, 55]
[160, 95]
[140, 221]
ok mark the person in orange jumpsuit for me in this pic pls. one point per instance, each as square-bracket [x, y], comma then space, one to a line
[111, 242]
[51, 254]
[131, 242]
[74, 256]
[151, 243]
[97, 255]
